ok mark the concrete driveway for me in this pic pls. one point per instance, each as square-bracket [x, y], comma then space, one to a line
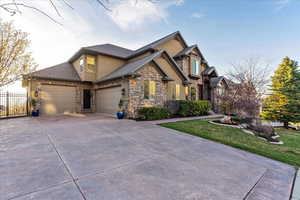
[97, 157]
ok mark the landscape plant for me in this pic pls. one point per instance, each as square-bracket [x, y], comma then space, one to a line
[193, 108]
[283, 104]
[153, 113]
[15, 57]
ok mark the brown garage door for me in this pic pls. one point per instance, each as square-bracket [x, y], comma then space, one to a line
[107, 100]
[57, 100]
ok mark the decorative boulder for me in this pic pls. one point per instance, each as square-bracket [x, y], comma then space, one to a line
[227, 120]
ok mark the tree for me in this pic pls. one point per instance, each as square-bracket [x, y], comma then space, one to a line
[283, 104]
[246, 84]
[15, 60]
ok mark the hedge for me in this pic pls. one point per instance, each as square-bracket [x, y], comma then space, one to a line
[193, 108]
[153, 113]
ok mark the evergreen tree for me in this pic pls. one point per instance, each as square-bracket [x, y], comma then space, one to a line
[283, 104]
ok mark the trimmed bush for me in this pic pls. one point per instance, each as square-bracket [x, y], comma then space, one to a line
[193, 108]
[153, 113]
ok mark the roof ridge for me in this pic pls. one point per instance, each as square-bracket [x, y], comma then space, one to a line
[150, 44]
[110, 45]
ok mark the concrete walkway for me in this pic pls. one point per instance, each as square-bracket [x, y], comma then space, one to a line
[96, 157]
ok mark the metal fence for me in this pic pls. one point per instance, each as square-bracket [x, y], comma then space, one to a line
[13, 104]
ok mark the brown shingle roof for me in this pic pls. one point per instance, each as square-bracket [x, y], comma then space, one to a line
[63, 71]
[132, 67]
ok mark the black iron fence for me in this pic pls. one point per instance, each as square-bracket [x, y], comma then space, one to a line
[13, 104]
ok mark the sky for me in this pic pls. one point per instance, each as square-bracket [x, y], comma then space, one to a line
[225, 31]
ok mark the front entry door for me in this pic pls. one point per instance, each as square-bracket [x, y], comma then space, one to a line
[86, 99]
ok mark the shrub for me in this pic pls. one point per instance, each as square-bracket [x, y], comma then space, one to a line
[153, 113]
[193, 108]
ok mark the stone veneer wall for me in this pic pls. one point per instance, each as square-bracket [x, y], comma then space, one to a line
[136, 90]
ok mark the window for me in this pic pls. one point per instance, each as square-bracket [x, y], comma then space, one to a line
[81, 63]
[149, 89]
[177, 92]
[195, 67]
[186, 89]
[90, 64]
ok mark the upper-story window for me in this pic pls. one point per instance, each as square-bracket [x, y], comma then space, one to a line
[81, 64]
[90, 64]
[196, 67]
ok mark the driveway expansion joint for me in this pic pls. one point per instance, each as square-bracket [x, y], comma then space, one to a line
[66, 167]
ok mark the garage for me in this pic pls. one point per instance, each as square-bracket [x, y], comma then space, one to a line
[107, 100]
[57, 99]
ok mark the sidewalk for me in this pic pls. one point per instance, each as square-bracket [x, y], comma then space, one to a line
[184, 119]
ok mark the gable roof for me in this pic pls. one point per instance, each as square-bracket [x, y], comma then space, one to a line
[132, 67]
[123, 53]
[110, 49]
[185, 51]
[105, 49]
[63, 71]
[209, 70]
[214, 82]
[159, 41]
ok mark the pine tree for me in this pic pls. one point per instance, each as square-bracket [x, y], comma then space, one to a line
[283, 104]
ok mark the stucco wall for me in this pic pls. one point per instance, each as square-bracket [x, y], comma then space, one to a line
[106, 65]
[173, 46]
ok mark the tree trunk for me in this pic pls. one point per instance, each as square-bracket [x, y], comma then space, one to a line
[286, 124]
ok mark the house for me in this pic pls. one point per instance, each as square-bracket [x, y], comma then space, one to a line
[96, 78]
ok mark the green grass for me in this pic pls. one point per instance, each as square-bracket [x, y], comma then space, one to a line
[289, 152]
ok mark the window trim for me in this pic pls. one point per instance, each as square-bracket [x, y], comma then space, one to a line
[195, 67]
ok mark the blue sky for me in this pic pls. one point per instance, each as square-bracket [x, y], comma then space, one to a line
[226, 31]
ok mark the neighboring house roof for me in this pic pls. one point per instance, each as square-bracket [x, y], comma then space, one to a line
[209, 70]
[214, 82]
[63, 71]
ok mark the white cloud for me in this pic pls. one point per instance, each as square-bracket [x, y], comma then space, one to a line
[133, 14]
[280, 4]
[198, 15]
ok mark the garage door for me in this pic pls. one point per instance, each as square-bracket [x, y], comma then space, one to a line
[107, 100]
[57, 99]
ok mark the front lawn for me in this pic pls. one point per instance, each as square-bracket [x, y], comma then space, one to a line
[289, 152]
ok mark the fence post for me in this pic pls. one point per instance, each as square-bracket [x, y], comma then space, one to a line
[7, 103]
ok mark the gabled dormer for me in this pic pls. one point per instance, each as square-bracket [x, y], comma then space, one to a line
[191, 61]
[85, 66]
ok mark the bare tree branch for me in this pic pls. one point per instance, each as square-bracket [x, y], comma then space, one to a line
[7, 7]
[12, 7]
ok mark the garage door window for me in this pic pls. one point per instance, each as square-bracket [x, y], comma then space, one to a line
[149, 89]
